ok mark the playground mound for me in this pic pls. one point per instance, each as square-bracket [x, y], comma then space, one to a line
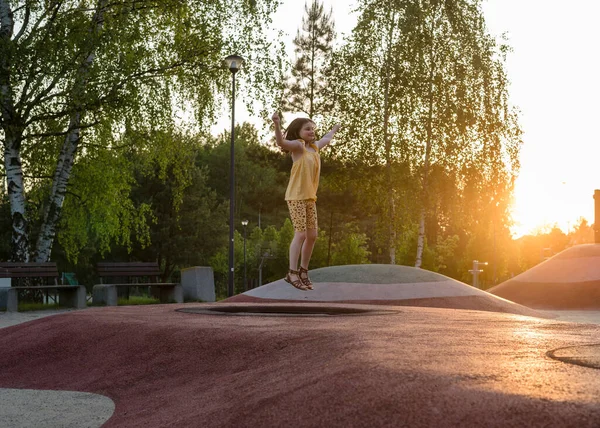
[568, 280]
[375, 284]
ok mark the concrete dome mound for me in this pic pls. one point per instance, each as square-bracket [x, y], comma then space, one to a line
[392, 285]
[568, 280]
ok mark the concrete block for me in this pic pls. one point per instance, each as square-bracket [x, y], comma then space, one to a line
[104, 294]
[3, 298]
[72, 297]
[4, 285]
[12, 300]
[168, 293]
[198, 283]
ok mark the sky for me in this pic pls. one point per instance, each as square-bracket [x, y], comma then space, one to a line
[554, 70]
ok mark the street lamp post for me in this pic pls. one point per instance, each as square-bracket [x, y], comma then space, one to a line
[245, 223]
[234, 63]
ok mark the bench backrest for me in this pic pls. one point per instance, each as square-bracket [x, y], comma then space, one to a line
[23, 270]
[131, 269]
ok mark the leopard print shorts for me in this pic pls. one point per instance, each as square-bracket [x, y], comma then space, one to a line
[303, 214]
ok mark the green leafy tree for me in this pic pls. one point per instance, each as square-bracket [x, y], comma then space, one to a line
[351, 250]
[186, 222]
[582, 233]
[95, 217]
[369, 81]
[261, 175]
[75, 76]
[424, 93]
[461, 88]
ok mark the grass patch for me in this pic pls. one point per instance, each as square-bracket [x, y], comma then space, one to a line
[26, 306]
[138, 300]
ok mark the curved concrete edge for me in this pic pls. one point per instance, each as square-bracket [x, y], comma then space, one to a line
[475, 303]
[579, 251]
[563, 270]
[581, 355]
[375, 274]
[551, 295]
[24, 408]
[8, 319]
[335, 291]
[580, 263]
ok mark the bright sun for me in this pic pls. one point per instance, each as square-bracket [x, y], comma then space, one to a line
[543, 203]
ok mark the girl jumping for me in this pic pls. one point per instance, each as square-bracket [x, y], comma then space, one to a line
[301, 193]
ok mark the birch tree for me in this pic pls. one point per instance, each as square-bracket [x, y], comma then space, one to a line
[372, 102]
[76, 75]
[423, 91]
[465, 122]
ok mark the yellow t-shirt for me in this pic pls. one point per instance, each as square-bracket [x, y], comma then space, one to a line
[304, 178]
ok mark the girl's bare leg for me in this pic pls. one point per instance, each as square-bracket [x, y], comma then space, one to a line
[295, 249]
[307, 247]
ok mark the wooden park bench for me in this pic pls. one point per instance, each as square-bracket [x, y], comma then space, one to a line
[47, 279]
[106, 294]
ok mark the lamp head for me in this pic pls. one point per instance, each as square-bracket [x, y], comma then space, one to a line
[233, 63]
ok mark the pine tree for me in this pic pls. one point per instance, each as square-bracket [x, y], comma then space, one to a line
[305, 91]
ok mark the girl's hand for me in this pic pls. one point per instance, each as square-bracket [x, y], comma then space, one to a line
[275, 118]
[336, 127]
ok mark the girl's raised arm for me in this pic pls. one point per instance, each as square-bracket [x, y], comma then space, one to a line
[328, 137]
[282, 142]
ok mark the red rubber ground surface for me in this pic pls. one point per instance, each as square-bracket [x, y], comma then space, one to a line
[419, 367]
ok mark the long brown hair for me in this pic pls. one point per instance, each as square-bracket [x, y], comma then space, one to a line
[293, 130]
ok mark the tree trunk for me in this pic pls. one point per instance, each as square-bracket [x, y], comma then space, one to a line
[421, 239]
[428, 145]
[59, 190]
[6, 20]
[16, 197]
[330, 234]
[13, 134]
[388, 146]
[67, 155]
[424, 197]
[313, 72]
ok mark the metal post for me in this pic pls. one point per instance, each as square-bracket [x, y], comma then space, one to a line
[265, 255]
[260, 271]
[597, 216]
[494, 260]
[232, 188]
[476, 271]
[245, 284]
[475, 274]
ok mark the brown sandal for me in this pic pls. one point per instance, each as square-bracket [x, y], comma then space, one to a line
[305, 279]
[298, 283]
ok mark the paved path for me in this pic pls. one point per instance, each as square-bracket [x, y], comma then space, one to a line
[417, 367]
[13, 318]
[26, 408]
